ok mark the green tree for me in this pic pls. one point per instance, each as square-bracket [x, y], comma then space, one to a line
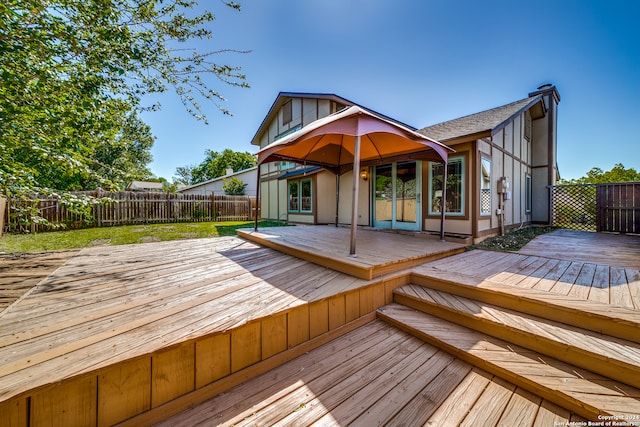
[215, 164]
[597, 176]
[184, 175]
[234, 187]
[74, 73]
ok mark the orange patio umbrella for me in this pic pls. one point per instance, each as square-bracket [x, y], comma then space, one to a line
[349, 139]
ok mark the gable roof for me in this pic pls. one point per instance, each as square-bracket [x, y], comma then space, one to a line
[145, 185]
[283, 97]
[219, 178]
[488, 121]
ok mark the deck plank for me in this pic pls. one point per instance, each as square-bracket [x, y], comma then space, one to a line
[599, 248]
[619, 291]
[424, 403]
[599, 292]
[490, 405]
[459, 402]
[550, 414]
[583, 282]
[633, 280]
[521, 410]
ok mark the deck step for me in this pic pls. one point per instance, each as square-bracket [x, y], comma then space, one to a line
[619, 322]
[581, 391]
[612, 357]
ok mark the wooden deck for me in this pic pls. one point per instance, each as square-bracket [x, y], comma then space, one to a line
[21, 272]
[145, 331]
[376, 375]
[378, 252]
[596, 248]
[139, 325]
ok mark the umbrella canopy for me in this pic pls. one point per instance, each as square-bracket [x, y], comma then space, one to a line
[347, 139]
[330, 142]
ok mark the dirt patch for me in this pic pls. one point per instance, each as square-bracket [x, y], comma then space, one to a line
[20, 272]
[151, 239]
[100, 242]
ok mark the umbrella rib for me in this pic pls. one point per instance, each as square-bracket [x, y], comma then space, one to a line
[313, 147]
[374, 146]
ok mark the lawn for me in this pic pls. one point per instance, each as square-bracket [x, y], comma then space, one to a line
[122, 235]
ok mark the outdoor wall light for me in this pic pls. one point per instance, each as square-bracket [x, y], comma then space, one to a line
[364, 174]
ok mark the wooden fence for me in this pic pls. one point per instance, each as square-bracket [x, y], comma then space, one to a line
[618, 207]
[129, 207]
[612, 208]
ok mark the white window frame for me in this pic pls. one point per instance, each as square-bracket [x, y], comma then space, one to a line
[298, 182]
[485, 188]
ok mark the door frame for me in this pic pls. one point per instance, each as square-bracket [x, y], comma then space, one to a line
[394, 224]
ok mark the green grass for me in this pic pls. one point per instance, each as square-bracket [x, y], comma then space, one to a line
[122, 235]
[512, 241]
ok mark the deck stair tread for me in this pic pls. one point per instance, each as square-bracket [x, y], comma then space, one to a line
[612, 320]
[581, 391]
[609, 356]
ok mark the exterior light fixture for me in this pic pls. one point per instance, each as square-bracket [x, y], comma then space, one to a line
[364, 174]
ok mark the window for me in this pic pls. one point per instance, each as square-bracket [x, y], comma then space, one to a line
[300, 195]
[287, 113]
[287, 165]
[455, 187]
[528, 198]
[287, 132]
[485, 186]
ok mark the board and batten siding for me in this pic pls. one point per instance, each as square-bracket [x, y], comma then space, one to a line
[510, 154]
[274, 194]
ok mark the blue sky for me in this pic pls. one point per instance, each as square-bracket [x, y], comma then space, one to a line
[423, 62]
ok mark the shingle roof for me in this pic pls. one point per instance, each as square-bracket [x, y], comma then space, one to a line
[483, 121]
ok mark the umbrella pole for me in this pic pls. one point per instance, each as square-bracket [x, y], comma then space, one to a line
[356, 184]
[337, 196]
[443, 200]
[255, 228]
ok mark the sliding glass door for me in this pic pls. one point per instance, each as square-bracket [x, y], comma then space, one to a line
[397, 189]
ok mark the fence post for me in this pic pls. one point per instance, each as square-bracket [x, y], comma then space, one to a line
[550, 187]
[3, 205]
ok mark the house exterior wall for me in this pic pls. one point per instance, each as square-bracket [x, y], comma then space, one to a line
[274, 196]
[346, 196]
[522, 150]
[249, 177]
[510, 153]
[544, 151]
[454, 224]
[326, 197]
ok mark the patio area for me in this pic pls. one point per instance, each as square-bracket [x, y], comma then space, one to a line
[378, 252]
[142, 332]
